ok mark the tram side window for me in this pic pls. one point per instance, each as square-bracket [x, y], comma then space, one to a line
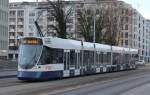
[121, 58]
[101, 58]
[127, 58]
[97, 58]
[81, 57]
[116, 58]
[105, 60]
[109, 57]
[59, 55]
[86, 58]
[135, 57]
[51, 56]
[90, 57]
[72, 57]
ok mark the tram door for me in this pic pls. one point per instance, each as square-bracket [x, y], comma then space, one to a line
[73, 59]
[78, 60]
[71, 62]
[66, 59]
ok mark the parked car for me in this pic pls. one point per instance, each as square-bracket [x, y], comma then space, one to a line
[140, 62]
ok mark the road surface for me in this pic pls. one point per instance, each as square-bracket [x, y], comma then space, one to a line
[136, 85]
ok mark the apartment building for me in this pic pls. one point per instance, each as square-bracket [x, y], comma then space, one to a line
[19, 25]
[140, 36]
[3, 29]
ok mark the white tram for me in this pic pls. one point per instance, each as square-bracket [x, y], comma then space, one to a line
[51, 57]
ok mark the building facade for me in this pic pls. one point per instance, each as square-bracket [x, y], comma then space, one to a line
[3, 29]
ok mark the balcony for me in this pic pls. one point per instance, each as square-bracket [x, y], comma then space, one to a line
[12, 23]
[12, 30]
[12, 16]
[20, 30]
[11, 44]
[13, 51]
[20, 16]
[20, 23]
[11, 37]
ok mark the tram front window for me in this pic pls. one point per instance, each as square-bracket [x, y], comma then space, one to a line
[29, 55]
[29, 52]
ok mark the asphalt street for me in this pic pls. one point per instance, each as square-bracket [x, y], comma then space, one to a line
[136, 85]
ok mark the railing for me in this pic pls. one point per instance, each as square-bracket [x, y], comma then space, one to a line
[11, 37]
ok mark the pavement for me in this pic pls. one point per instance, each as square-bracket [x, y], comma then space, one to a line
[8, 74]
[133, 85]
[141, 90]
[8, 69]
[8, 65]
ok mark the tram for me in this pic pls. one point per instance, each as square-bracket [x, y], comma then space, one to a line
[43, 58]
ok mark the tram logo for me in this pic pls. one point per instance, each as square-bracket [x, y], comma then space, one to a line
[47, 41]
[48, 67]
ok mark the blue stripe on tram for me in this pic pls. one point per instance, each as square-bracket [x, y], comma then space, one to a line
[31, 75]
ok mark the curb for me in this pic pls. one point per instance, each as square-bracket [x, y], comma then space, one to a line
[8, 76]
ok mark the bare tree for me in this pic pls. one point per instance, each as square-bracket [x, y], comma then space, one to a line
[61, 16]
[107, 24]
[86, 22]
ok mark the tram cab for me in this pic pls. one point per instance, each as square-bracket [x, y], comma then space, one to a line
[36, 60]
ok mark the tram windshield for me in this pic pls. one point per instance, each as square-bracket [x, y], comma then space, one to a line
[29, 55]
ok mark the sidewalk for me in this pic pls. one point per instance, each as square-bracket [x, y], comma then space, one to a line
[146, 66]
[8, 65]
[8, 69]
[7, 74]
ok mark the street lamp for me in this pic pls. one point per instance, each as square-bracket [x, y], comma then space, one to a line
[94, 29]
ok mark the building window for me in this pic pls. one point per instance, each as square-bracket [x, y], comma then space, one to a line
[139, 25]
[31, 14]
[126, 42]
[97, 11]
[122, 11]
[20, 13]
[139, 39]
[121, 34]
[134, 36]
[121, 42]
[126, 35]
[126, 27]
[12, 13]
[127, 19]
[127, 12]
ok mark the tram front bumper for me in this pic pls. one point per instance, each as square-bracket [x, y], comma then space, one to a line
[31, 75]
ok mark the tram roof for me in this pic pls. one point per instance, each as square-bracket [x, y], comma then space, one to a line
[73, 44]
[55, 42]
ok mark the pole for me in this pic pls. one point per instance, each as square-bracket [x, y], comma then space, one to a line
[94, 40]
[94, 29]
